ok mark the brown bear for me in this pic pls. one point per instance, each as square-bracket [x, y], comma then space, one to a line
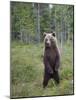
[51, 58]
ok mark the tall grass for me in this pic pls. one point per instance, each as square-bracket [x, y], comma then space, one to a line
[27, 71]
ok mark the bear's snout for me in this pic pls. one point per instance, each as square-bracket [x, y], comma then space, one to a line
[47, 44]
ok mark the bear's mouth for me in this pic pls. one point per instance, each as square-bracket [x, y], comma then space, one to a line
[47, 44]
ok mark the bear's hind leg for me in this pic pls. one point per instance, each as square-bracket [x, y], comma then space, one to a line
[56, 77]
[46, 79]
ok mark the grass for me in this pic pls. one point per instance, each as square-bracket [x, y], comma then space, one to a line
[27, 71]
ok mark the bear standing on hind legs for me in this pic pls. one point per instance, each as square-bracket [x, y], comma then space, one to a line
[51, 58]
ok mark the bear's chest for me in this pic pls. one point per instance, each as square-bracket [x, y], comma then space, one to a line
[50, 55]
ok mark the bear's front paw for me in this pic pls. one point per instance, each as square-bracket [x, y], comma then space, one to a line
[50, 71]
[56, 69]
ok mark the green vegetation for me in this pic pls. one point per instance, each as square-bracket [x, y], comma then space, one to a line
[27, 71]
[28, 22]
[32, 19]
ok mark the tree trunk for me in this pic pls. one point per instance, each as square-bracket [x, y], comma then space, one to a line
[38, 22]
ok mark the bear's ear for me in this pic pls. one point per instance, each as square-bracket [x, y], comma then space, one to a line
[44, 34]
[54, 34]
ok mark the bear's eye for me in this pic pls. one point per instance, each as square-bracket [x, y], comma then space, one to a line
[51, 39]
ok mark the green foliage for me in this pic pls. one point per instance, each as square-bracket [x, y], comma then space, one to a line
[62, 20]
[45, 18]
[32, 20]
[27, 71]
[22, 17]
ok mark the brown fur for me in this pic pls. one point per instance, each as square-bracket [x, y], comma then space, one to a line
[51, 60]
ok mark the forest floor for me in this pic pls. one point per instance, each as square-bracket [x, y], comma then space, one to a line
[27, 71]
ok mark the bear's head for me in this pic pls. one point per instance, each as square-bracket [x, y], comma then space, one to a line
[50, 39]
